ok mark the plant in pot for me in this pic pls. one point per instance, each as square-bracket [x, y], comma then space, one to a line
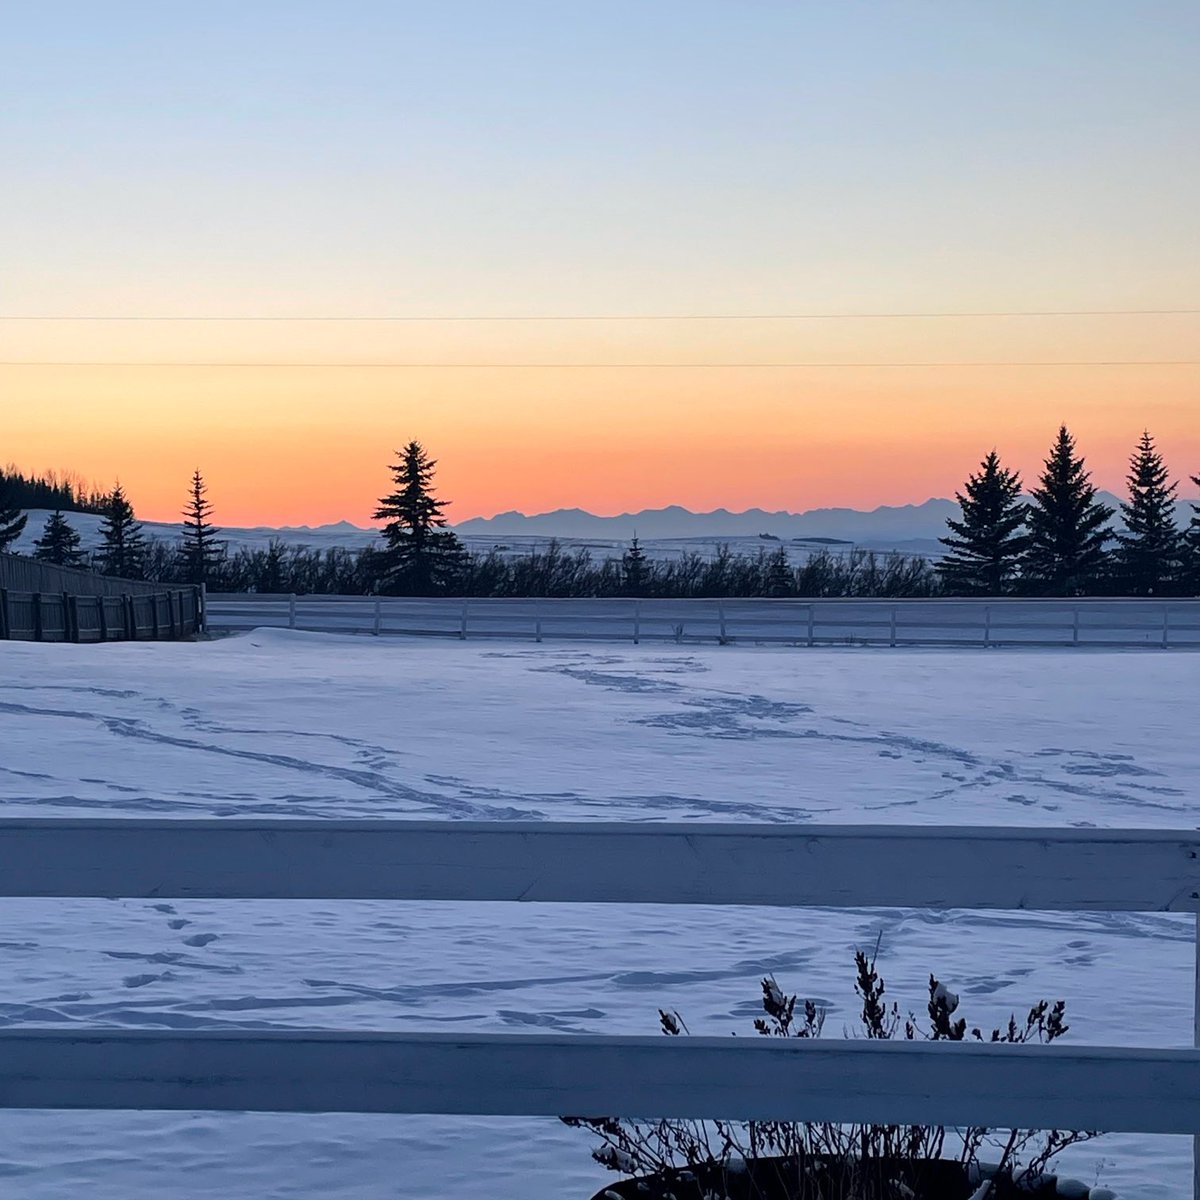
[674, 1159]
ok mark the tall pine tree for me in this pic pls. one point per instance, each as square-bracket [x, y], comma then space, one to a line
[987, 543]
[59, 543]
[1068, 526]
[634, 569]
[12, 519]
[1149, 549]
[123, 547]
[421, 556]
[199, 551]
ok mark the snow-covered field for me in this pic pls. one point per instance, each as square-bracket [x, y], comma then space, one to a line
[296, 724]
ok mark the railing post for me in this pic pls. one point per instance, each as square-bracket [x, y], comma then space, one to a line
[378, 624]
[462, 625]
[637, 621]
[292, 611]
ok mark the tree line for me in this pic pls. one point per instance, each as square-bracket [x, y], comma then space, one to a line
[1060, 542]
[1056, 542]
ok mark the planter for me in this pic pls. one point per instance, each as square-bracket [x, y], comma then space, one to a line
[818, 1178]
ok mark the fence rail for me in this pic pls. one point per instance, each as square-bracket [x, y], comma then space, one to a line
[1167, 624]
[1130, 1089]
[71, 617]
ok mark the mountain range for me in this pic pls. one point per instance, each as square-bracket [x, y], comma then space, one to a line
[912, 528]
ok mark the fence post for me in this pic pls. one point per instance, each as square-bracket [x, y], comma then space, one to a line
[130, 617]
[202, 608]
[721, 621]
[637, 621]
[378, 622]
[987, 626]
[37, 616]
[71, 616]
[1166, 636]
[5, 628]
[154, 616]
[1075, 626]
[811, 631]
[292, 611]
[537, 621]
[462, 625]
[102, 617]
[892, 641]
[1196, 1042]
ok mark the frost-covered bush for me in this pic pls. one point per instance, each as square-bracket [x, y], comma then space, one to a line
[786, 1160]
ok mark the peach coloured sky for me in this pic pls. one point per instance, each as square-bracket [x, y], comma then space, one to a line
[594, 161]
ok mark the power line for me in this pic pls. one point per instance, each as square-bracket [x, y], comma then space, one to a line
[609, 317]
[595, 366]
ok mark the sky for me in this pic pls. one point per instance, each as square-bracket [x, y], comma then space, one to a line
[841, 163]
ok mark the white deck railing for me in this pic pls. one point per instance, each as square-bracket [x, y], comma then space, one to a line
[1128, 1089]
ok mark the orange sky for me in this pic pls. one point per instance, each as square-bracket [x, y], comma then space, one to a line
[468, 158]
[311, 445]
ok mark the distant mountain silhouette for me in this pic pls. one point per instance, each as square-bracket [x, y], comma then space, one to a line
[887, 524]
[905, 522]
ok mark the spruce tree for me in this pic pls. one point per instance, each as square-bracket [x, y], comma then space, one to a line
[59, 543]
[12, 519]
[1149, 549]
[199, 551]
[779, 580]
[421, 556]
[1191, 547]
[123, 548]
[634, 569]
[1068, 526]
[987, 543]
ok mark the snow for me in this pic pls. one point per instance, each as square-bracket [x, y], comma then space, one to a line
[292, 724]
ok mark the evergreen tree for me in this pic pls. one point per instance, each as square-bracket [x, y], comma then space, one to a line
[634, 569]
[1192, 547]
[1149, 549]
[1068, 526]
[12, 519]
[779, 580]
[987, 543]
[123, 548]
[420, 556]
[59, 543]
[199, 550]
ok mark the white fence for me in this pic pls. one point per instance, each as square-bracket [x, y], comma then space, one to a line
[1171, 624]
[1128, 1089]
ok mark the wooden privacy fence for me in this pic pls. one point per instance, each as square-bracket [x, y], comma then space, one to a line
[1125, 1088]
[68, 617]
[1121, 622]
[20, 573]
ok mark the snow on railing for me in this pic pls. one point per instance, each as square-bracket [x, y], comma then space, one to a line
[1126, 1089]
[1112, 622]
